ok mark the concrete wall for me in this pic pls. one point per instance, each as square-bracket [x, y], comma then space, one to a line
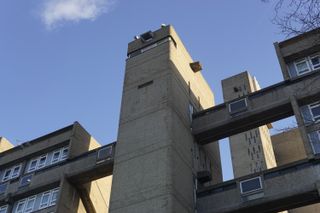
[251, 151]
[288, 147]
[154, 168]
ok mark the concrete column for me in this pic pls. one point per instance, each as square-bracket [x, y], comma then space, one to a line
[302, 127]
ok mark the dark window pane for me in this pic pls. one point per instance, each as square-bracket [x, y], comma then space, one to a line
[251, 185]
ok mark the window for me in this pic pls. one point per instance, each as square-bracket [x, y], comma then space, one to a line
[104, 154]
[42, 161]
[20, 206]
[26, 180]
[6, 175]
[315, 111]
[30, 204]
[54, 197]
[16, 171]
[45, 198]
[55, 157]
[33, 165]
[251, 185]
[302, 66]
[64, 153]
[315, 62]
[238, 106]
[3, 209]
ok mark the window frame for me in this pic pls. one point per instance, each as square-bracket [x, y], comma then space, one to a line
[39, 166]
[312, 57]
[5, 208]
[56, 190]
[30, 163]
[23, 201]
[8, 177]
[62, 157]
[252, 191]
[239, 110]
[58, 158]
[312, 106]
[18, 173]
[306, 60]
[41, 200]
[33, 198]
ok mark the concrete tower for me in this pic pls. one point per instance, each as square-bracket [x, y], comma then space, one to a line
[252, 150]
[157, 161]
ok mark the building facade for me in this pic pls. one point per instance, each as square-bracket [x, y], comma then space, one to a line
[44, 175]
[167, 158]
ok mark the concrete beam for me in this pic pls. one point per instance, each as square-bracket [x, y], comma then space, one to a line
[264, 106]
[283, 188]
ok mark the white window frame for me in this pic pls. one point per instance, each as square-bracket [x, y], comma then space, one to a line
[252, 191]
[40, 166]
[45, 205]
[312, 57]
[56, 190]
[300, 61]
[6, 178]
[32, 199]
[58, 159]
[30, 163]
[23, 202]
[62, 157]
[233, 102]
[311, 106]
[12, 170]
[4, 209]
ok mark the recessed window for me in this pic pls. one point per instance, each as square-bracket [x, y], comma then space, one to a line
[42, 161]
[302, 66]
[315, 111]
[238, 106]
[33, 165]
[64, 153]
[104, 154]
[16, 171]
[4, 209]
[30, 204]
[45, 199]
[54, 197]
[20, 206]
[315, 61]
[55, 157]
[251, 185]
[6, 175]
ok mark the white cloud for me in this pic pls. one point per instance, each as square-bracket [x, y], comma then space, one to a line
[56, 12]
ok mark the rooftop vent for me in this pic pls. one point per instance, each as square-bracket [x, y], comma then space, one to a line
[196, 66]
[148, 36]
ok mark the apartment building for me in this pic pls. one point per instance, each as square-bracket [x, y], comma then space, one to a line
[52, 174]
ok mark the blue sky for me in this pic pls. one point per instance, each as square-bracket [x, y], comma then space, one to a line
[63, 60]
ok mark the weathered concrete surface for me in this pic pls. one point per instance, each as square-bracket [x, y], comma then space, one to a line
[264, 106]
[283, 188]
[155, 161]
